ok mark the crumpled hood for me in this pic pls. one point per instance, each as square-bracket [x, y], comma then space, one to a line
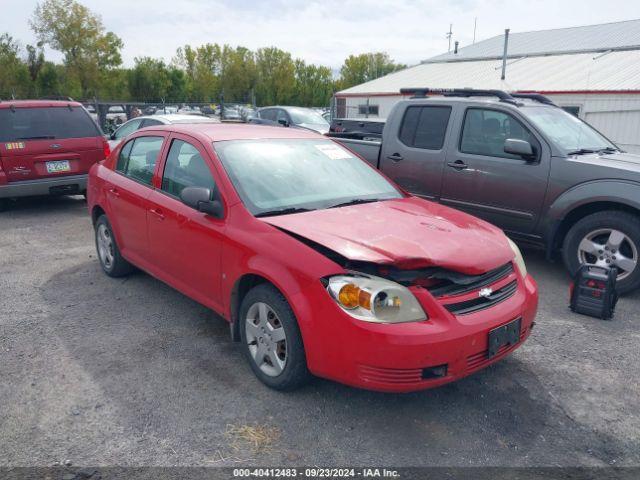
[408, 233]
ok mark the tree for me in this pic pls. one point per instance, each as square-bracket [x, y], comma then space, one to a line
[71, 28]
[275, 77]
[313, 84]
[14, 75]
[149, 80]
[35, 61]
[362, 68]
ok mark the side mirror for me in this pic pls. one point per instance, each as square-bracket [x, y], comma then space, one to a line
[519, 147]
[200, 199]
[283, 122]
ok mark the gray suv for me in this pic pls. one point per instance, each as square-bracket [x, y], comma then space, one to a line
[522, 163]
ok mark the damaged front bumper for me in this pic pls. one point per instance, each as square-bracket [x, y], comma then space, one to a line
[411, 356]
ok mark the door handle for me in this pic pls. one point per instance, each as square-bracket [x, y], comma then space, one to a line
[157, 212]
[458, 165]
[396, 157]
[114, 191]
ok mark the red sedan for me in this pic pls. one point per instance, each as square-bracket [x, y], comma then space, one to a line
[319, 263]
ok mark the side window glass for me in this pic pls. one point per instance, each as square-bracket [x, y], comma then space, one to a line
[128, 128]
[282, 115]
[143, 158]
[185, 167]
[121, 166]
[485, 131]
[267, 114]
[425, 127]
[150, 122]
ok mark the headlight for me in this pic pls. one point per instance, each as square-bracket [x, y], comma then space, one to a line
[374, 299]
[519, 260]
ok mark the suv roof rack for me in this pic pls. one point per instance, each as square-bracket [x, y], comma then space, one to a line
[460, 92]
[534, 96]
[472, 92]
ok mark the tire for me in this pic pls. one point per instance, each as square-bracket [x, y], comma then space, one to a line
[289, 371]
[611, 230]
[112, 263]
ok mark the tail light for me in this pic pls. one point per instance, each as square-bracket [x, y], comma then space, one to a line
[106, 148]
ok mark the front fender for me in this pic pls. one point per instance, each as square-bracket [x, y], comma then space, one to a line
[620, 192]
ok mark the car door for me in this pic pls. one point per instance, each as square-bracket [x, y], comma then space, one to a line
[414, 151]
[128, 189]
[504, 189]
[185, 243]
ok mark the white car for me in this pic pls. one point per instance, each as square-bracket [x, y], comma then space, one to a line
[137, 123]
[116, 114]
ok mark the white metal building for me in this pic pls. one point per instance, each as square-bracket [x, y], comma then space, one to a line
[593, 71]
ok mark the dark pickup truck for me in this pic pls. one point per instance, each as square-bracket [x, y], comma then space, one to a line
[522, 163]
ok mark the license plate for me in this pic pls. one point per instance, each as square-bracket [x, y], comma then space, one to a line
[508, 334]
[58, 166]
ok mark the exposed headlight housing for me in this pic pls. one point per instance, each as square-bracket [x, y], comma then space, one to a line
[375, 299]
[518, 259]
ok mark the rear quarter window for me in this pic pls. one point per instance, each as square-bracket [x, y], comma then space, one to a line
[46, 123]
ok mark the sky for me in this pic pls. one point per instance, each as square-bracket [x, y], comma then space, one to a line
[322, 31]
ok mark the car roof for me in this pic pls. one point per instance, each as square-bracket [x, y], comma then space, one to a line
[37, 103]
[217, 132]
[180, 117]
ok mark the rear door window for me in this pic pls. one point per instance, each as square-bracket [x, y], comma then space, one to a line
[138, 158]
[46, 123]
[425, 127]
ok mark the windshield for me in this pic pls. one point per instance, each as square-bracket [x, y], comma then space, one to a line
[272, 175]
[567, 131]
[303, 115]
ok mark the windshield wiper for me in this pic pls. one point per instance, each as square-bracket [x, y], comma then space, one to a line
[581, 151]
[283, 211]
[38, 137]
[608, 150]
[355, 201]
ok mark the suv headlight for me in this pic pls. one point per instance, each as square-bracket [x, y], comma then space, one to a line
[374, 299]
[519, 260]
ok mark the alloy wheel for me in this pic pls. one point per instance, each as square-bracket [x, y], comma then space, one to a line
[105, 246]
[266, 339]
[608, 247]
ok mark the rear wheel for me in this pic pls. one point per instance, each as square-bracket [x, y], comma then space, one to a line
[606, 239]
[271, 339]
[111, 261]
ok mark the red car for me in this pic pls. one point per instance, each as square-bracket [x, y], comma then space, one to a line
[47, 148]
[319, 263]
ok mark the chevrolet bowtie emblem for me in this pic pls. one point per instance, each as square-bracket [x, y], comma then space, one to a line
[485, 292]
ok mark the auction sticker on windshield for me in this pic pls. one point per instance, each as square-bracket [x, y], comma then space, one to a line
[334, 152]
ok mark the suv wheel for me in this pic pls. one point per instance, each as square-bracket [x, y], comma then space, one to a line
[111, 261]
[271, 339]
[606, 239]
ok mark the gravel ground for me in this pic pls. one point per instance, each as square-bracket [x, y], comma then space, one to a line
[129, 372]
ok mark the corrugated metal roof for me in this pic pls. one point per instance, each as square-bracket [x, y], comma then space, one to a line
[572, 72]
[602, 37]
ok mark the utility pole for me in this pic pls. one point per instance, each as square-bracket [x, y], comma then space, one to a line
[449, 35]
[504, 54]
[475, 24]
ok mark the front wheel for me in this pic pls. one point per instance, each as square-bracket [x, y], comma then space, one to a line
[271, 339]
[606, 239]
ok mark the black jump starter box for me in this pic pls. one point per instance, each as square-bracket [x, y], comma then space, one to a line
[593, 291]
